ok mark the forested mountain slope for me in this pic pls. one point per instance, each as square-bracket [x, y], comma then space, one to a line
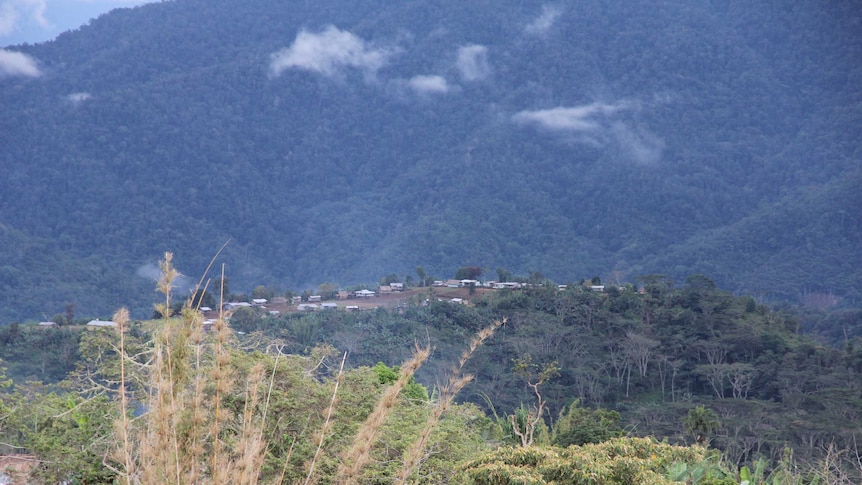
[339, 141]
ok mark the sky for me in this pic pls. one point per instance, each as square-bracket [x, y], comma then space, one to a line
[34, 21]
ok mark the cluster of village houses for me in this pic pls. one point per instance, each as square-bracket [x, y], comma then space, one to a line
[316, 303]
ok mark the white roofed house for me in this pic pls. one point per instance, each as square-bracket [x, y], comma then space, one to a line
[364, 293]
[100, 323]
[506, 284]
[233, 305]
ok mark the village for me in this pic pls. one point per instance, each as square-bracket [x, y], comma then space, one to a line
[454, 291]
[458, 292]
[393, 295]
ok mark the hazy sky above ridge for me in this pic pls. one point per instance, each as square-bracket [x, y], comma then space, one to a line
[34, 21]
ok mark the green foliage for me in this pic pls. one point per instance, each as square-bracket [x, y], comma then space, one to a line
[202, 298]
[700, 423]
[261, 291]
[579, 426]
[245, 319]
[413, 391]
[514, 427]
[528, 423]
[617, 461]
[70, 435]
[34, 353]
[535, 373]
[706, 472]
[390, 278]
[385, 374]
[468, 273]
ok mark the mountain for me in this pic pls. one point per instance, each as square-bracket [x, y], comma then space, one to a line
[343, 141]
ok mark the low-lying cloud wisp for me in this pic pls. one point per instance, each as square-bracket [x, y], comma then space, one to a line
[578, 118]
[545, 21]
[472, 62]
[77, 98]
[599, 125]
[328, 53]
[182, 285]
[17, 64]
[640, 145]
[429, 84]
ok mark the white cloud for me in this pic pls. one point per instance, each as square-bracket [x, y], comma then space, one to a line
[429, 84]
[149, 271]
[77, 98]
[181, 284]
[17, 64]
[600, 125]
[9, 15]
[545, 21]
[328, 53]
[640, 145]
[473, 62]
[578, 118]
[14, 12]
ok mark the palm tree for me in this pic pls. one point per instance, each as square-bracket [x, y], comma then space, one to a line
[700, 422]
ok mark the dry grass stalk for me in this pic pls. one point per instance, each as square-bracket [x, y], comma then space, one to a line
[287, 461]
[160, 461]
[221, 378]
[310, 477]
[357, 456]
[195, 447]
[124, 454]
[186, 437]
[271, 382]
[413, 455]
[251, 434]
